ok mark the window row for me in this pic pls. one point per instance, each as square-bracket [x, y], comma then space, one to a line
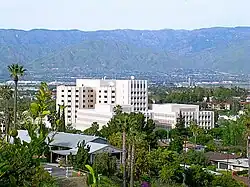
[106, 91]
[105, 96]
[138, 93]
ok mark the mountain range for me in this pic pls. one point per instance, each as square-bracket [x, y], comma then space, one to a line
[72, 52]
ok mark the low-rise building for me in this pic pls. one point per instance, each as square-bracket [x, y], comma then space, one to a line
[101, 114]
[166, 115]
[239, 164]
[64, 144]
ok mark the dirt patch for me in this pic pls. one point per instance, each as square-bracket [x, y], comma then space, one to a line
[73, 182]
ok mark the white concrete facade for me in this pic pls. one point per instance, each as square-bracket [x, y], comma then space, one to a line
[166, 115]
[89, 92]
[102, 113]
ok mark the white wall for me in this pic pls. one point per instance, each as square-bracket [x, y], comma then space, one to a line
[168, 114]
[101, 114]
[114, 92]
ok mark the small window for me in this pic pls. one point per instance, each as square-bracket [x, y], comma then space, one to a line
[113, 96]
[83, 106]
[83, 96]
[83, 101]
[100, 91]
[100, 96]
[69, 90]
[77, 101]
[69, 95]
[77, 95]
[112, 101]
[77, 90]
[105, 101]
[69, 101]
[91, 96]
[62, 90]
[76, 106]
[62, 101]
[105, 96]
[91, 90]
[105, 91]
[83, 91]
[91, 105]
[99, 101]
[113, 91]
[69, 111]
[62, 95]
[91, 100]
[69, 116]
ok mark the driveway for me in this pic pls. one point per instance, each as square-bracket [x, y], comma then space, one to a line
[56, 171]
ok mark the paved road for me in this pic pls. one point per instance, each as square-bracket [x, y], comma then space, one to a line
[56, 171]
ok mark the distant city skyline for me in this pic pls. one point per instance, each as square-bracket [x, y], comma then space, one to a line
[123, 14]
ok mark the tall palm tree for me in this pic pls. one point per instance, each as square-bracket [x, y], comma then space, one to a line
[16, 71]
[123, 120]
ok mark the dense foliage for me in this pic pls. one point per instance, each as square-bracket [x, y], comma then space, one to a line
[20, 161]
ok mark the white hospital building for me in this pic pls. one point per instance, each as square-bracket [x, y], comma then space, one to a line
[93, 100]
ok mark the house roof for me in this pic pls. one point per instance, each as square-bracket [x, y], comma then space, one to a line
[94, 148]
[61, 139]
[242, 162]
[69, 140]
[213, 156]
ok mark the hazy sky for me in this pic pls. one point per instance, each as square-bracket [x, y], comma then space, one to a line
[121, 14]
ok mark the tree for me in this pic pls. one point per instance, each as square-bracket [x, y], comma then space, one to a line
[161, 134]
[122, 120]
[16, 71]
[195, 130]
[117, 109]
[60, 120]
[82, 156]
[196, 158]
[105, 164]
[5, 95]
[20, 161]
[178, 135]
[196, 176]
[226, 180]
[164, 163]
[93, 130]
[176, 145]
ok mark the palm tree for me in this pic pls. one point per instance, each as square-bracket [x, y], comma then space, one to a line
[16, 71]
[117, 109]
[195, 129]
[123, 120]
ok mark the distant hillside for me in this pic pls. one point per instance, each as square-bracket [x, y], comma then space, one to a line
[77, 52]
